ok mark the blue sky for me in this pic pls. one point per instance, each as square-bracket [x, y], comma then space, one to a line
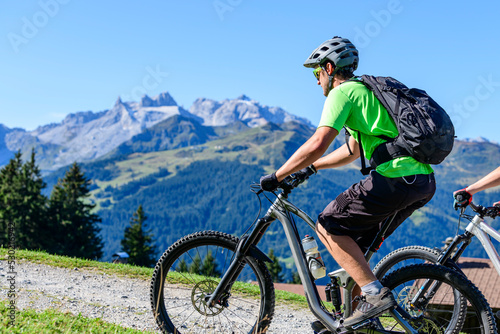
[62, 56]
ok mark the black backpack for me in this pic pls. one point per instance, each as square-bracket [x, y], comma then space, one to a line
[426, 132]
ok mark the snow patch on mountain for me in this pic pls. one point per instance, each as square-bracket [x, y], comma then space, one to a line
[479, 140]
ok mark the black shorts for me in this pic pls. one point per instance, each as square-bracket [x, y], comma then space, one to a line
[360, 211]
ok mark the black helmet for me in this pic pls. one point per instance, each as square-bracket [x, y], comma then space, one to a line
[340, 51]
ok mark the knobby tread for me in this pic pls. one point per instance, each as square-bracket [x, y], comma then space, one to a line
[393, 257]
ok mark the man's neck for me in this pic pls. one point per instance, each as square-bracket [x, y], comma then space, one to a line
[337, 81]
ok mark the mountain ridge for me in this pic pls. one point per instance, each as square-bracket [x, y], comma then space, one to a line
[87, 135]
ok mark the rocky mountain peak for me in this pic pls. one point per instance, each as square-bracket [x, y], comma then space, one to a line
[243, 97]
[243, 108]
[163, 99]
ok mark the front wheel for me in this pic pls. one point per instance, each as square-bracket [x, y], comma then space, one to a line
[190, 269]
[433, 310]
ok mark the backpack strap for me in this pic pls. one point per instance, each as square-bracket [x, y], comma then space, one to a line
[386, 152]
[390, 149]
[364, 169]
[347, 136]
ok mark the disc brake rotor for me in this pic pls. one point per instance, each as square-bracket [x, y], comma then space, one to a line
[404, 298]
[200, 290]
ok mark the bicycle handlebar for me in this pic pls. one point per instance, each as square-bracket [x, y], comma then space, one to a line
[288, 184]
[492, 211]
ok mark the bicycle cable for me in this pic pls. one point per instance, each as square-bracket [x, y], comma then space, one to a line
[462, 215]
[255, 188]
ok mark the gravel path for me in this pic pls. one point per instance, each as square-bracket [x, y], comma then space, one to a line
[119, 300]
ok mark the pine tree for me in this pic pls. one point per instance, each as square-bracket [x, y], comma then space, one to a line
[275, 267]
[22, 205]
[209, 267]
[138, 242]
[72, 219]
[182, 267]
[195, 267]
[296, 278]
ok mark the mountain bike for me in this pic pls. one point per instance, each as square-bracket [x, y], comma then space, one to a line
[212, 282]
[450, 255]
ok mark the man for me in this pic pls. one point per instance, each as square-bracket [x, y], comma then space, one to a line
[348, 224]
[463, 197]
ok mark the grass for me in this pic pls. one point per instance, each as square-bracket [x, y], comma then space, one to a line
[42, 257]
[51, 321]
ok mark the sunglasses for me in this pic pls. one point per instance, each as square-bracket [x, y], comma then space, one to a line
[317, 72]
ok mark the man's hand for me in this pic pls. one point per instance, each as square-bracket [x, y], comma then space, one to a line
[269, 182]
[462, 198]
[497, 204]
[302, 175]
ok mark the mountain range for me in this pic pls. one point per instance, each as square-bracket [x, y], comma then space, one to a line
[87, 135]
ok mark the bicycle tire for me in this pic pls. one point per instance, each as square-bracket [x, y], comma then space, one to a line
[403, 257]
[433, 316]
[177, 295]
[418, 254]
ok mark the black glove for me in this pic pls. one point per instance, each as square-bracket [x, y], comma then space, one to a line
[462, 198]
[302, 175]
[269, 182]
[496, 205]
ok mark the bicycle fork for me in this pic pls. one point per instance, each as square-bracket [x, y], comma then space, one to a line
[246, 246]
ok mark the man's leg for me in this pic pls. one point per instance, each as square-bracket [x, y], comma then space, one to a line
[348, 255]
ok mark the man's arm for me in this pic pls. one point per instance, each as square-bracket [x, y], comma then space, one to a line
[489, 181]
[309, 152]
[340, 156]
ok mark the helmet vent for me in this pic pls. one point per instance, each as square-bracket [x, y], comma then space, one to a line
[335, 43]
[325, 48]
[339, 50]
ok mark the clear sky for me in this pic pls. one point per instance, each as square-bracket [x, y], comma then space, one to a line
[62, 56]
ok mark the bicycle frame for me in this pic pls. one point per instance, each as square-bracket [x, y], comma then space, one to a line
[278, 211]
[477, 227]
[481, 230]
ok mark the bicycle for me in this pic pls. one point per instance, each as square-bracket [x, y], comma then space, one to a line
[231, 290]
[450, 255]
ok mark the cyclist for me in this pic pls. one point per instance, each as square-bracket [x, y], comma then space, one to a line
[348, 224]
[463, 197]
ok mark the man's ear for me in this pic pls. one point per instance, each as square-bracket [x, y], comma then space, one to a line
[329, 68]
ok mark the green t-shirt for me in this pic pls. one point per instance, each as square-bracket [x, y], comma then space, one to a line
[355, 106]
